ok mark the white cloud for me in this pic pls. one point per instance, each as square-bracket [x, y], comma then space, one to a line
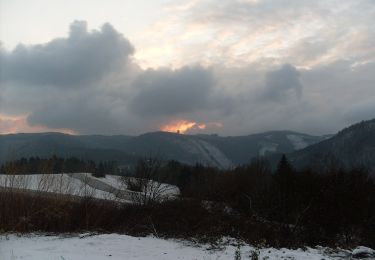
[236, 33]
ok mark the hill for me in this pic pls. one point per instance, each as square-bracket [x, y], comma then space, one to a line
[351, 147]
[212, 150]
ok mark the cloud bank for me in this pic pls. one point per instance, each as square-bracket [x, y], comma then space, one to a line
[82, 58]
[91, 82]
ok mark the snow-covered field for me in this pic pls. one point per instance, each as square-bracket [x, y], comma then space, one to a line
[77, 184]
[120, 247]
[55, 183]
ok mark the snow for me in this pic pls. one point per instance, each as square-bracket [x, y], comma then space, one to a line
[117, 182]
[112, 180]
[54, 183]
[212, 153]
[207, 152]
[363, 252]
[116, 247]
[297, 141]
[267, 147]
[78, 184]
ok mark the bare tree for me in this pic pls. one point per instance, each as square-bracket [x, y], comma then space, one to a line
[146, 184]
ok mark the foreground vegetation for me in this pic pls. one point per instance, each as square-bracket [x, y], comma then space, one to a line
[285, 207]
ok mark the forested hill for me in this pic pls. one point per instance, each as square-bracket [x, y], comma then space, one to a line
[353, 146]
[211, 150]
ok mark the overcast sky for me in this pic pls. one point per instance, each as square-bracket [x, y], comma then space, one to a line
[201, 66]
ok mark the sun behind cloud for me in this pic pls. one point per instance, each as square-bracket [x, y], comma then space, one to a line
[182, 126]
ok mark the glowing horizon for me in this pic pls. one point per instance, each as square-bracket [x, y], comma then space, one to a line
[13, 124]
[182, 126]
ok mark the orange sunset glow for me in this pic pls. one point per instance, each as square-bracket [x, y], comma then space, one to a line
[19, 124]
[182, 126]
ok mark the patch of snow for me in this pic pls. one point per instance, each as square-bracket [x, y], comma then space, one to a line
[119, 247]
[363, 252]
[112, 180]
[267, 147]
[213, 153]
[209, 153]
[297, 141]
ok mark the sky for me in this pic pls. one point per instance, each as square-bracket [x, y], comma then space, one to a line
[231, 67]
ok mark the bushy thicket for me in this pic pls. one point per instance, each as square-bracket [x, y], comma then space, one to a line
[334, 206]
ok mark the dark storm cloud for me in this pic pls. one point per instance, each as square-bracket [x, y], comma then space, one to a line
[86, 78]
[168, 92]
[81, 58]
[85, 113]
[282, 84]
[154, 97]
[88, 88]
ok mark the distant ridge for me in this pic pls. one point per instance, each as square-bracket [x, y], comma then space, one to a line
[214, 150]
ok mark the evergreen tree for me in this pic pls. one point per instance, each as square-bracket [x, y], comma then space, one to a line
[285, 187]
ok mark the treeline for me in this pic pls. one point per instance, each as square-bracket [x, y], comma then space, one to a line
[333, 207]
[54, 165]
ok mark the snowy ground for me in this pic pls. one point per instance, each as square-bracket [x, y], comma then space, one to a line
[120, 247]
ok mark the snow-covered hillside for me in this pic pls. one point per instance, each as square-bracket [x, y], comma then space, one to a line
[54, 183]
[78, 184]
[208, 152]
[120, 247]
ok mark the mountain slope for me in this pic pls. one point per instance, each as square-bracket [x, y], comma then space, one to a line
[222, 152]
[240, 149]
[353, 146]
